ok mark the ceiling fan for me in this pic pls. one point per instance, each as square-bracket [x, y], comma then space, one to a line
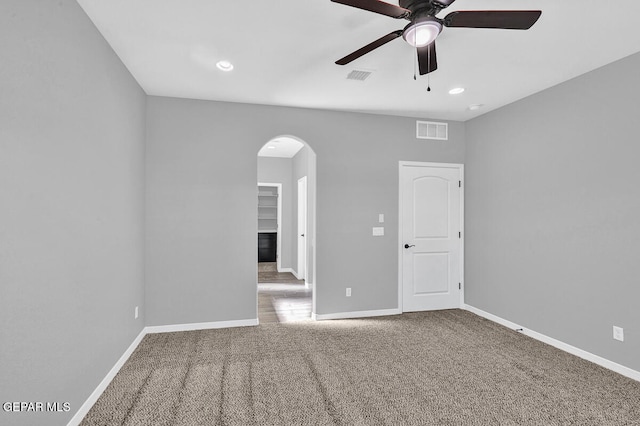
[424, 26]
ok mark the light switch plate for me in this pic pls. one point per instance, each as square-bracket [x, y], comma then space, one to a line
[378, 231]
[381, 218]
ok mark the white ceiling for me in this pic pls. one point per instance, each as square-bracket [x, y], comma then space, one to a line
[283, 146]
[284, 51]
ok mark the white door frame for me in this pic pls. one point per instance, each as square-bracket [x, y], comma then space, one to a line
[278, 187]
[302, 263]
[400, 222]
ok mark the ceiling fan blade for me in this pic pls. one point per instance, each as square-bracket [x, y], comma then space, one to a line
[369, 47]
[378, 7]
[504, 19]
[427, 61]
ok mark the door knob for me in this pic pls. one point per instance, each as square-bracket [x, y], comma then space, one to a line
[409, 246]
[302, 235]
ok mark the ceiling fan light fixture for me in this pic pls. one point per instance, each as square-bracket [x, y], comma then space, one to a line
[422, 32]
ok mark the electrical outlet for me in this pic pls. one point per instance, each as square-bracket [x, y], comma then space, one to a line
[618, 333]
[135, 313]
[348, 291]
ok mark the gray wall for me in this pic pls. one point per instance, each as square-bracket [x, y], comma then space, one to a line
[552, 208]
[71, 191]
[278, 170]
[201, 225]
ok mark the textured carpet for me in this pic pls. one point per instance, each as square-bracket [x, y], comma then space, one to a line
[436, 368]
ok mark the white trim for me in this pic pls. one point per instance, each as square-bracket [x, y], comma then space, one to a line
[463, 235]
[312, 165]
[357, 314]
[428, 164]
[292, 271]
[201, 326]
[596, 359]
[302, 260]
[86, 406]
[460, 167]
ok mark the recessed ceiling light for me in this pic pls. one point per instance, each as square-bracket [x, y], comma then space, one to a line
[224, 66]
[456, 90]
[475, 107]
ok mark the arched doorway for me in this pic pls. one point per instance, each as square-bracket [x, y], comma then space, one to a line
[286, 230]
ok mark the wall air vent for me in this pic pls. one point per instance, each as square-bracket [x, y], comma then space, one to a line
[358, 75]
[432, 130]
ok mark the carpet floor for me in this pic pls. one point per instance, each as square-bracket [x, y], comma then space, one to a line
[430, 368]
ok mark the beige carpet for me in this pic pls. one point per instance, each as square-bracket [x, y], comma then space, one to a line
[437, 368]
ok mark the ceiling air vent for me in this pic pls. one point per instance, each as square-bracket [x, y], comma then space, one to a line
[358, 75]
[432, 130]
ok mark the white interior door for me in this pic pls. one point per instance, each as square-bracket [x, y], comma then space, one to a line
[302, 228]
[431, 236]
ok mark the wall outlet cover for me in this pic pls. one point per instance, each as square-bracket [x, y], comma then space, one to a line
[378, 231]
[618, 333]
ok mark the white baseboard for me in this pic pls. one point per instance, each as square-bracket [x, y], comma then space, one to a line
[596, 359]
[201, 326]
[293, 272]
[356, 314]
[84, 409]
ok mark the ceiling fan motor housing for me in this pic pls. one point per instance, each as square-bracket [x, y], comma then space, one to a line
[424, 26]
[423, 7]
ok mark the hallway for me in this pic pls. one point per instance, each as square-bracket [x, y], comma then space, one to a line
[281, 297]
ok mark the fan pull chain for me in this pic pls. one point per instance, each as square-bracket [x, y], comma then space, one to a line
[429, 74]
[415, 58]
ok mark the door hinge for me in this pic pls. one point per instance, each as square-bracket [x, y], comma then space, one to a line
[459, 184]
[459, 286]
[459, 234]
